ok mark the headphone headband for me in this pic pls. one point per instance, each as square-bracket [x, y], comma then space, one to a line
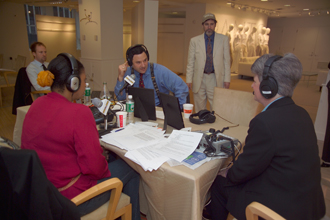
[268, 64]
[204, 116]
[73, 81]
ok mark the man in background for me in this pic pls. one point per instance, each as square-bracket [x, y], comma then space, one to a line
[208, 63]
[39, 53]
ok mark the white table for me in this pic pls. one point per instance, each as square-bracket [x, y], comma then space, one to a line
[170, 192]
[179, 192]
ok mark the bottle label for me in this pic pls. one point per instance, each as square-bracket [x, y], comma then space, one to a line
[130, 107]
[87, 92]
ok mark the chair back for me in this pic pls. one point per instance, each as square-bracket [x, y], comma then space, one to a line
[22, 92]
[25, 191]
[238, 107]
[256, 210]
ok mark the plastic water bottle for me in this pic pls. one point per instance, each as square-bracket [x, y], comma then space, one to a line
[105, 94]
[87, 97]
[130, 109]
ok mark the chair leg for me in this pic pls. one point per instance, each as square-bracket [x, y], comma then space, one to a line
[128, 213]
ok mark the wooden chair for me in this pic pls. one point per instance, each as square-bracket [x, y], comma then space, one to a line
[118, 206]
[238, 107]
[34, 93]
[7, 79]
[256, 209]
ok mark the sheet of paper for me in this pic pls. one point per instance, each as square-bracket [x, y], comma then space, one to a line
[146, 158]
[179, 145]
[134, 136]
[160, 114]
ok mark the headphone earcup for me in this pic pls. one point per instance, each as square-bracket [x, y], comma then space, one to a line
[268, 87]
[73, 83]
[204, 116]
[203, 113]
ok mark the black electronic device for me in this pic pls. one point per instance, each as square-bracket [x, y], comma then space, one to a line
[204, 116]
[172, 111]
[129, 54]
[268, 86]
[144, 103]
[214, 143]
[98, 116]
[73, 81]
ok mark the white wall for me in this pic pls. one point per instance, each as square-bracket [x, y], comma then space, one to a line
[306, 37]
[13, 37]
[58, 34]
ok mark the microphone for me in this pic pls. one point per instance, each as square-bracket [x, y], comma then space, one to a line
[129, 81]
[102, 105]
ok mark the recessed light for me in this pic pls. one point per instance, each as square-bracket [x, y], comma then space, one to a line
[264, 0]
[228, 3]
[306, 9]
[287, 5]
[136, 1]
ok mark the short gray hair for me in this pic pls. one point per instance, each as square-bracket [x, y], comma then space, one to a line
[287, 72]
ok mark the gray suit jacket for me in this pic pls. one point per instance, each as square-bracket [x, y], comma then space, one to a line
[197, 59]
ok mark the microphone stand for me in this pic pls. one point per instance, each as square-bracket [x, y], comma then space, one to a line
[106, 122]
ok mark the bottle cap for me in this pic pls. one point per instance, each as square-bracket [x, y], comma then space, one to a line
[130, 96]
[87, 84]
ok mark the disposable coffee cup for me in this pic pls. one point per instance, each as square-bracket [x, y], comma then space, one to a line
[121, 119]
[187, 109]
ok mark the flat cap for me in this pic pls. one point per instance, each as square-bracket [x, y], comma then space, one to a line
[208, 16]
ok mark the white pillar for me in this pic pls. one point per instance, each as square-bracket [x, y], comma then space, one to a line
[101, 34]
[145, 26]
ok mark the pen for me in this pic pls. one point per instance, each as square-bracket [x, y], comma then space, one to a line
[119, 129]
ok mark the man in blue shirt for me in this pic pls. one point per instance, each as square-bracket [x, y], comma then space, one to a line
[138, 63]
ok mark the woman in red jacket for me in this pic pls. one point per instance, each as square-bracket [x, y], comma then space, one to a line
[65, 137]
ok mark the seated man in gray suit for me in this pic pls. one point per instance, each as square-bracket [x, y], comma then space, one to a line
[280, 165]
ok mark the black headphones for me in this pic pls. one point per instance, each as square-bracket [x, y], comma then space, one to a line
[204, 116]
[129, 55]
[268, 86]
[73, 81]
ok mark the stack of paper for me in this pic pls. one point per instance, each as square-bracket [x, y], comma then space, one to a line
[147, 146]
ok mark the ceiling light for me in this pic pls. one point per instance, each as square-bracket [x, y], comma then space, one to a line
[287, 5]
[174, 12]
[136, 1]
[328, 12]
[239, 7]
[264, 0]
[228, 3]
[306, 9]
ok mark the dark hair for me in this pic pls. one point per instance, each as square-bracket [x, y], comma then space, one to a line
[34, 46]
[60, 66]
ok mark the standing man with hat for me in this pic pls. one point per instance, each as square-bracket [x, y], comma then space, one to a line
[39, 63]
[208, 63]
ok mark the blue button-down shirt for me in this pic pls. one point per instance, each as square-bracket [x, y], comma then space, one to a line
[166, 81]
